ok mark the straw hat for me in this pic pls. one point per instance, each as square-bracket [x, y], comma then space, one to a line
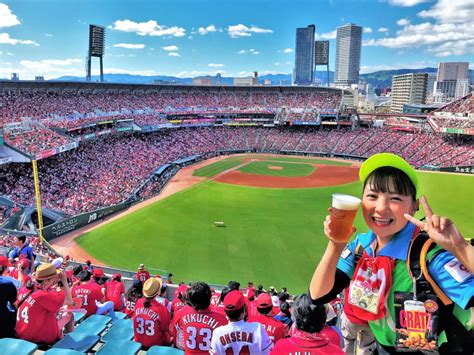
[45, 272]
[151, 287]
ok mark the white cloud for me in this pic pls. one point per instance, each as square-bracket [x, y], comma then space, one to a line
[240, 30]
[129, 45]
[255, 52]
[367, 30]
[383, 29]
[403, 22]
[171, 48]
[406, 3]
[149, 28]
[242, 51]
[451, 11]
[329, 35]
[48, 35]
[7, 18]
[452, 33]
[205, 30]
[174, 54]
[214, 65]
[6, 39]
[288, 50]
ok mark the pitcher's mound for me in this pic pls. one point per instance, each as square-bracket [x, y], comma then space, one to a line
[273, 167]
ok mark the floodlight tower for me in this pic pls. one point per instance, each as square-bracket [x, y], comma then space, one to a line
[96, 49]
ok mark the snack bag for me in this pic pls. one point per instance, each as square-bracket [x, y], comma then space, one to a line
[416, 322]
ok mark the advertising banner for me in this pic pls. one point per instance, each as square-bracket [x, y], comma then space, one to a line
[67, 225]
[466, 169]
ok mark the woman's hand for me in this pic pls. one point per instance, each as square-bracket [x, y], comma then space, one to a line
[440, 229]
[330, 233]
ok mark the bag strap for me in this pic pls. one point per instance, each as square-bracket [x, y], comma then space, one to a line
[359, 251]
[420, 246]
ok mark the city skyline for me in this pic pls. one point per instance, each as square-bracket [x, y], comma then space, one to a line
[49, 38]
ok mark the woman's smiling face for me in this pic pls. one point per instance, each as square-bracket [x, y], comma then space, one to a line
[383, 211]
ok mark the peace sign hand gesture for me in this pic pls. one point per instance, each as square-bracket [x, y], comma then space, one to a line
[440, 229]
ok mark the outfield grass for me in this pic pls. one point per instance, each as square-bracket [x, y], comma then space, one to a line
[302, 160]
[217, 167]
[272, 236]
[288, 169]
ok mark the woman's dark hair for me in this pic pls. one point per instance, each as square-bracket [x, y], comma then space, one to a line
[135, 292]
[146, 304]
[224, 293]
[77, 269]
[285, 308]
[307, 316]
[235, 314]
[390, 180]
[199, 296]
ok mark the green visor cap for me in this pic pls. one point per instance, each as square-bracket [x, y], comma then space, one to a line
[386, 159]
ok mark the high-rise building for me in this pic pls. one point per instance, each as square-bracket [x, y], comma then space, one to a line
[452, 81]
[348, 44]
[304, 55]
[408, 89]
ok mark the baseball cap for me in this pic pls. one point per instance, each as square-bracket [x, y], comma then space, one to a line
[3, 260]
[98, 272]
[45, 272]
[387, 159]
[182, 289]
[117, 275]
[234, 301]
[151, 287]
[264, 300]
[141, 267]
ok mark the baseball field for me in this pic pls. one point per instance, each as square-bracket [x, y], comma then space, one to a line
[272, 207]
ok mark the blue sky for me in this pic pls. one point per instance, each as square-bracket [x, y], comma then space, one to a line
[196, 37]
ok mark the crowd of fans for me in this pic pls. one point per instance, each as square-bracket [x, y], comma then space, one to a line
[67, 109]
[35, 140]
[106, 170]
[38, 301]
[457, 114]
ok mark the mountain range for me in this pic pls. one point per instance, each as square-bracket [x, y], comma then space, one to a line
[380, 79]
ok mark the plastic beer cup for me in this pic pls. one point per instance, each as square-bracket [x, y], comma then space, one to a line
[343, 212]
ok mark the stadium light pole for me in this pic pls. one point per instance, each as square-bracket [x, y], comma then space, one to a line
[38, 200]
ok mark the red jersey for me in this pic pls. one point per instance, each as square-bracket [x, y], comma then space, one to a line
[89, 292]
[252, 308]
[113, 292]
[333, 336]
[130, 306]
[197, 328]
[14, 274]
[308, 344]
[36, 320]
[176, 305]
[142, 275]
[151, 325]
[276, 330]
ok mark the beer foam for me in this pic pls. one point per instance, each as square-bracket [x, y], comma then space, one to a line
[345, 202]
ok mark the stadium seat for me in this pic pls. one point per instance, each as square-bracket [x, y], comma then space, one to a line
[78, 341]
[78, 316]
[90, 328]
[121, 330]
[58, 351]
[120, 315]
[9, 346]
[164, 350]
[125, 347]
[98, 319]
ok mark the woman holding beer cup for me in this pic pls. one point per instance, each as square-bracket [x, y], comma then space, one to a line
[382, 288]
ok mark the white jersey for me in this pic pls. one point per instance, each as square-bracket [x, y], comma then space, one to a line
[240, 338]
